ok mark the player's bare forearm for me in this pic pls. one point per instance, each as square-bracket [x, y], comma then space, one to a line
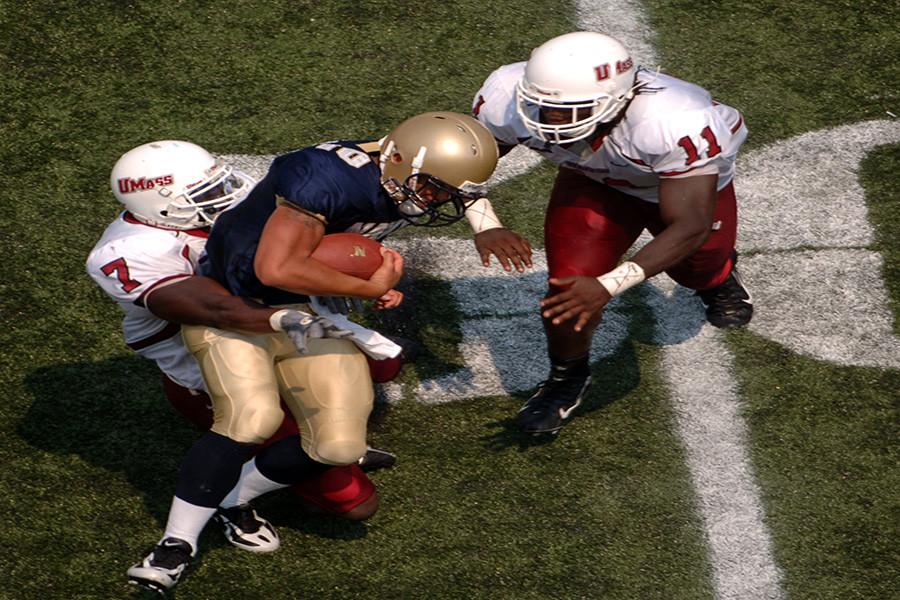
[669, 248]
[283, 259]
[687, 207]
[199, 300]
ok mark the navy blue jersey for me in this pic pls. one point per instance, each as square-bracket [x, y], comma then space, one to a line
[336, 181]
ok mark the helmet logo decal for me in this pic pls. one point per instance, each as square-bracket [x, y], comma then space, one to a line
[128, 185]
[602, 71]
[623, 65]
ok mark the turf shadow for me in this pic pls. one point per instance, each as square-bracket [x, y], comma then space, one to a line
[113, 414]
[613, 378]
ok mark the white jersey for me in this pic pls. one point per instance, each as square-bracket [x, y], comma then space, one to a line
[130, 260]
[672, 129]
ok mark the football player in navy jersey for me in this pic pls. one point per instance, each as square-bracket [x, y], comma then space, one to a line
[146, 260]
[427, 172]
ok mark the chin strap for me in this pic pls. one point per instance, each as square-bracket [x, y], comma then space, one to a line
[384, 155]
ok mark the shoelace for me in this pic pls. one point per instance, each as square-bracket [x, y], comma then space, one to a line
[170, 557]
[243, 517]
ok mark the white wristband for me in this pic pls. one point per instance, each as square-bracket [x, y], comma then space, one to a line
[275, 319]
[626, 275]
[481, 216]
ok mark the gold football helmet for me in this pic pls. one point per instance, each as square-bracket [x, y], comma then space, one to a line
[436, 164]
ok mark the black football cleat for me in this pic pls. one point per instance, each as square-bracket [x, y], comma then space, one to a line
[375, 459]
[728, 305]
[554, 403]
[247, 530]
[163, 567]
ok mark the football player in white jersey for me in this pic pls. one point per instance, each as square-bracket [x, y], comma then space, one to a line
[145, 260]
[636, 150]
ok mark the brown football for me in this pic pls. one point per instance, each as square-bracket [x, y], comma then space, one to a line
[349, 253]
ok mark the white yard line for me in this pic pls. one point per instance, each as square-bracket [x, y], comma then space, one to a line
[706, 405]
[700, 371]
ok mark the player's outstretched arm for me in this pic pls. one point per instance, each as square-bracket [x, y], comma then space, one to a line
[199, 300]
[510, 248]
[492, 238]
[687, 206]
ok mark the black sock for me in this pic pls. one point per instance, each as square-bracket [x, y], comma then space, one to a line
[211, 468]
[286, 462]
[571, 367]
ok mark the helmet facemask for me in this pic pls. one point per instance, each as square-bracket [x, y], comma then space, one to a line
[603, 108]
[200, 204]
[427, 201]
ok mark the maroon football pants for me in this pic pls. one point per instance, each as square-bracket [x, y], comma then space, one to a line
[589, 226]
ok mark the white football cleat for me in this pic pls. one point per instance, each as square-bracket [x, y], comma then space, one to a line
[246, 529]
[163, 567]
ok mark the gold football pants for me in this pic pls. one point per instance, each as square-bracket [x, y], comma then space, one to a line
[329, 390]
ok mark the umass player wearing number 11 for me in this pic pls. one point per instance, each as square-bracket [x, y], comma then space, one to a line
[636, 150]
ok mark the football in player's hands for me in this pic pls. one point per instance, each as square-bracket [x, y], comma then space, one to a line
[349, 253]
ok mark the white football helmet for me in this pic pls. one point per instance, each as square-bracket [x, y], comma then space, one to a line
[434, 165]
[176, 184]
[582, 70]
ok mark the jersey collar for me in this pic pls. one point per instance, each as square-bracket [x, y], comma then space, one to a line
[200, 232]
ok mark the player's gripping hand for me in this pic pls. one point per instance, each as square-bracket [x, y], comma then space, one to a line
[300, 327]
[580, 297]
[389, 273]
[510, 248]
[391, 299]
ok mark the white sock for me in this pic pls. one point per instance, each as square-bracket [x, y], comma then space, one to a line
[186, 521]
[251, 485]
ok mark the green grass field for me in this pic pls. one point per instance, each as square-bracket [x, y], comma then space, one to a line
[90, 450]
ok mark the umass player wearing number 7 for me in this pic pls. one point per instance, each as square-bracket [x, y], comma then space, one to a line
[145, 261]
[636, 150]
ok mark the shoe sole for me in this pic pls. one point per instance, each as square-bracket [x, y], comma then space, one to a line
[148, 585]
